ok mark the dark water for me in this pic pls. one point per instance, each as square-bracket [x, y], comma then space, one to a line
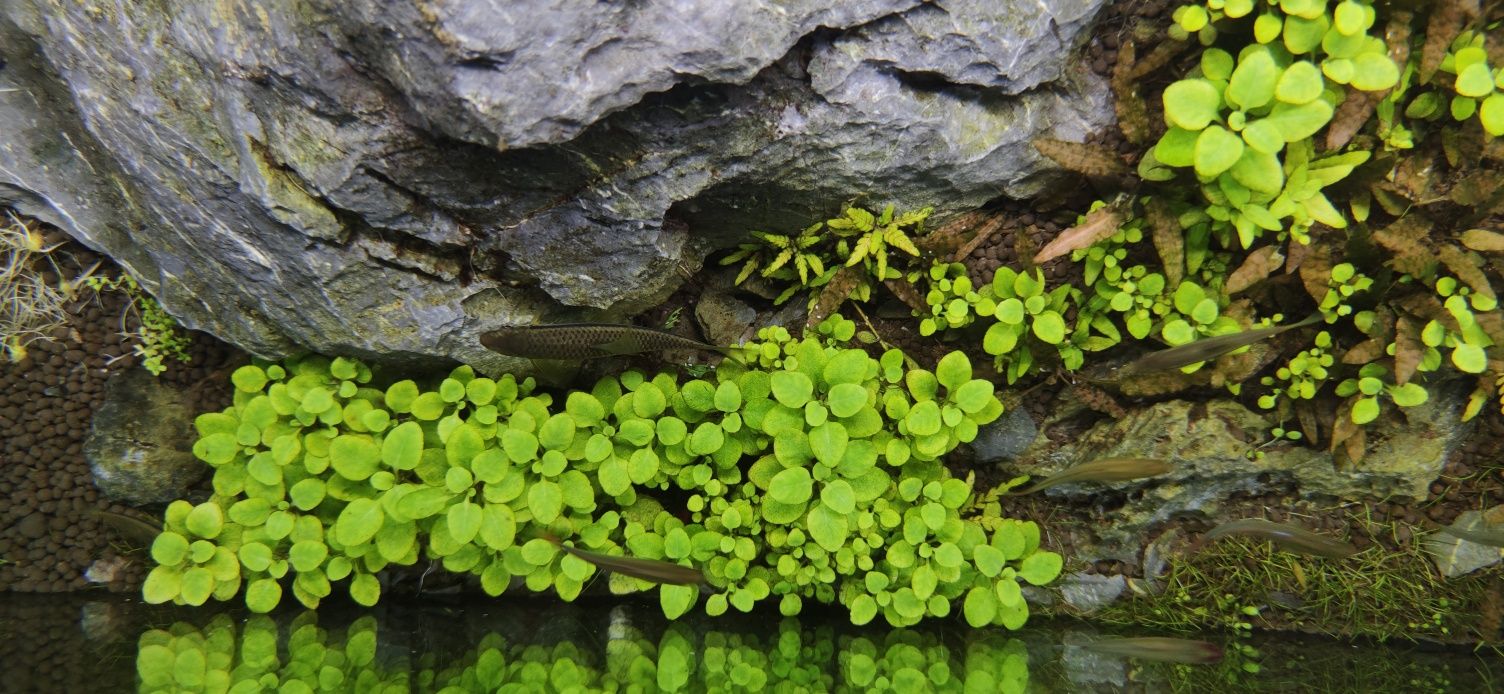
[103, 644]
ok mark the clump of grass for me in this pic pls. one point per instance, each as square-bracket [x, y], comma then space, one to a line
[1379, 593]
[30, 307]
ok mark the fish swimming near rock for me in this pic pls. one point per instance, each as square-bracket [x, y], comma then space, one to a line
[1161, 648]
[1206, 349]
[139, 533]
[585, 341]
[1103, 470]
[654, 570]
[1489, 538]
[1289, 537]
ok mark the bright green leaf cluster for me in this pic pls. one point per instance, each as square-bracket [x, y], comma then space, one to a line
[1302, 375]
[1373, 383]
[809, 473]
[954, 302]
[1479, 87]
[1345, 282]
[1026, 313]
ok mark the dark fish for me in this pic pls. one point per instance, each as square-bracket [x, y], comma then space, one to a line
[1491, 538]
[1103, 470]
[1206, 349]
[135, 531]
[654, 570]
[1287, 536]
[584, 341]
[1160, 648]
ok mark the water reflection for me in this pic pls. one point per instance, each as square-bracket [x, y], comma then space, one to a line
[77, 644]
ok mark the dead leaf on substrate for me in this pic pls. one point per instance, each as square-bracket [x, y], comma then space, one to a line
[943, 240]
[1465, 268]
[1100, 223]
[1169, 241]
[1132, 112]
[1310, 423]
[1316, 270]
[1483, 240]
[1408, 349]
[1355, 110]
[1348, 439]
[1406, 238]
[1447, 18]
[1259, 264]
[1087, 160]
[985, 232]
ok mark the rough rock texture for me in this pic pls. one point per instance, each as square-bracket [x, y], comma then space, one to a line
[1455, 556]
[1208, 444]
[1088, 592]
[139, 443]
[1005, 437]
[388, 180]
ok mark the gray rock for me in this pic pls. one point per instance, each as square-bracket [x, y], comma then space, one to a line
[1087, 592]
[389, 180]
[724, 318]
[1005, 437]
[1208, 444]
[1455, 556]
[139, 442]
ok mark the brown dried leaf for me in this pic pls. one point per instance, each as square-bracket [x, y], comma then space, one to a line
[1426, 306]
[1390, 198]
[1315, 271]
[1474, 190]
[1365, 351]
[1133, 114]
[1354, 111]
[1155, 59]
[1447, 17]
[1483, 240]
[1169, 241]
[1348, 440]
[1295, 255]
[1257, 266]
[1100, 224]
[1466, 269]
[832, 295]
[1082, 158]
[1462, 146]
[905, 291]
[1406, 239]
[1310, 425]
[1408, 349]
[1492, 324]
[949, 236]
[994, 224]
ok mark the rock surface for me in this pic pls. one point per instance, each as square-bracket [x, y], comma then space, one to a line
[389, 180]
[1455, 556]
[138, 446]
[1208, 445]
[1005, 437]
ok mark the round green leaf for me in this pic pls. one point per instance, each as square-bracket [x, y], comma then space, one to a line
[1365, 410]
[169, 549]
[648, 400]
[1408, 395]
[675, 601]
[1217, 150]
[1491, 113]
[980, 607]
[1475, 81]
[791, 388]
[1299, 84]
[728, 397]
[255, 556]
[1040, 567]
[545, 500]
[1176, 148]
[827, 527]
[206, 520]
[1374, 72]
[791, 486]
[307, 493]
[1178, 332]
[197, 585]
[1253, 82]
[953, 370]
[1191, 104]
[847, 366]
[1297, 123]
[924, 418]
[1049, 327]
[429, 406]
[307, 555]
[262, 595]
[1216, 64]
[1258, 170]
[354, 456]
[1469, 358]
[846, 399]
[358, 522]
[838, 496]
[828, 442]
[707, 439]
[216, 449]
[464, 521]
[249, 379]
[973, 396]
[498, 527]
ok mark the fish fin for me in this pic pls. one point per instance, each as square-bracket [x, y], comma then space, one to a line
[558, 373]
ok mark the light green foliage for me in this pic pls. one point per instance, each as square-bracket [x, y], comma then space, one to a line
[159, 337]
[953, 301]
[1302, 375]
[1374, 383]
[255, 655]
[1234, 117]
[1028, 317]
[811, 258]
[1345, 282]
[1478, 86]
[809, 473]
[1468, 342]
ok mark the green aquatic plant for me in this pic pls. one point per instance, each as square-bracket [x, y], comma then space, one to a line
[1302, 376]
[1027, 316]
[1478, 87]
[954, 302]
[159, 337]
[809, 473]
[1344, 284]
